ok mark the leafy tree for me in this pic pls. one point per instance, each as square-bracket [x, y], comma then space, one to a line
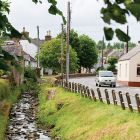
[88, 52]
[112, 61]
[100, 45]
[50, 56]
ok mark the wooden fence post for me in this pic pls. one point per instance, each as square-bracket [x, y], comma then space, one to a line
[69, 89]
[81, 90]
[107, 96]
[79, 87]
[88, 93]
[99, 95]
[93, 95]
[114, 97]
[129, 102]
[76, 87]
[137, 102]
[121, 100]
[84, 91]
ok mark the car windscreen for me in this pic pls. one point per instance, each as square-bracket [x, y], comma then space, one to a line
[106, 74]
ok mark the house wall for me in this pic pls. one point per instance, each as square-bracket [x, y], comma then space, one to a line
[133, 68]
[123, 71]
[128, 75]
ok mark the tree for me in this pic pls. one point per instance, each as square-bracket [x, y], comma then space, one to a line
[112, 61]
[88, 53]
[100, 45]
[50, 56]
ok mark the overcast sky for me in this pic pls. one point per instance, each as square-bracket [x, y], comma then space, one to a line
[86, 18]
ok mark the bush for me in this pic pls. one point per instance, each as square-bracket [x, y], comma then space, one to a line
[4, 89]
[30, 83]
[30, 74]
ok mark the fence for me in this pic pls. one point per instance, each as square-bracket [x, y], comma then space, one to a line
[116, 98]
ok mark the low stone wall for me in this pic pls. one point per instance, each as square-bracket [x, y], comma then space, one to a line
[77, 75]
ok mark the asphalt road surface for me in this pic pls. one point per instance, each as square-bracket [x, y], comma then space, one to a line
[90, 82]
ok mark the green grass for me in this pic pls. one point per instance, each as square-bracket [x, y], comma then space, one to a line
[83, 119]
[7, 98]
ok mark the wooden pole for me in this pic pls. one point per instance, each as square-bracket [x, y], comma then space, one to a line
[68, 42]
[38, 61]
[127, 41]
[62, 51]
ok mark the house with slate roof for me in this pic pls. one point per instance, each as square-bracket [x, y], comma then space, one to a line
[129, 68]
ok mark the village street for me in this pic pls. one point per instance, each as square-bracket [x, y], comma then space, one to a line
[90, 82]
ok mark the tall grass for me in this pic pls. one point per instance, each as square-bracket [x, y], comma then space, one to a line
[7, 97]
[4, 89]
[83, 119]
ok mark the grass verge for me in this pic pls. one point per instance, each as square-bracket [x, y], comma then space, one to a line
[7, 98]
[73, 118]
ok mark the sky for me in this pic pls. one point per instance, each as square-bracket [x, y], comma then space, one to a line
[86, 18]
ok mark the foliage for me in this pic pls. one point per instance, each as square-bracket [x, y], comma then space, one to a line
[100, 45]
[50, 56]
[30, 73]
[30, 83]
[85, 119]
[8, 97]
[112, 61]
[88, 53]
[118, 11]
[4, 89]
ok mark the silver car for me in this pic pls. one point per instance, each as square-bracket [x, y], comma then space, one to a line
[104, 78]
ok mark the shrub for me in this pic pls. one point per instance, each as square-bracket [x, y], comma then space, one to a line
[4, 89]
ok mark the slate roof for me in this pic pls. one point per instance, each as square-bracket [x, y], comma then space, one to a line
[130, 54]
[12, 49]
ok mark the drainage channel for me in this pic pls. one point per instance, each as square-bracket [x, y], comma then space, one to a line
[22, 122]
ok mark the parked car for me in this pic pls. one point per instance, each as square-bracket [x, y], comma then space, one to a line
[105, 78]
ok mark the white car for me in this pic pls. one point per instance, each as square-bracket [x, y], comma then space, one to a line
[105, 78]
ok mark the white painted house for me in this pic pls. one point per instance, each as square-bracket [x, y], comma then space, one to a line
[30, 52]
[129, 68]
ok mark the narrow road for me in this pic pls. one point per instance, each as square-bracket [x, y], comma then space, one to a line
[22, 123]
[90, 82]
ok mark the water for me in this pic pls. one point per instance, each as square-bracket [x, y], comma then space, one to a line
[22, 123]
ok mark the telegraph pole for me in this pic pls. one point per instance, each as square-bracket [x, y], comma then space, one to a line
[68, 42]
[62, 51]
[38, 61]
[127, 41]
[103, 54]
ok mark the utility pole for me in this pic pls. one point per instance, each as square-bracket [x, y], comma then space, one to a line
[103, 54]
[38, 61]
[62, 51]
[68, 42]
[127, 41]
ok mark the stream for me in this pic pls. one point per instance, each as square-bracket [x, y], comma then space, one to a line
[22, 123]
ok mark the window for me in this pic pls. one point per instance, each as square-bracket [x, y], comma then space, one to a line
[138, 70]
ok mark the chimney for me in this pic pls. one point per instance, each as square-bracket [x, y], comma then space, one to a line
[48, 37]
[25, 34]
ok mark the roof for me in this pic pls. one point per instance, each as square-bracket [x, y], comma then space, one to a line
[130, 54]
[12, 48]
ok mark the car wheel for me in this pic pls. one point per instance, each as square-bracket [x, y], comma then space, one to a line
[99, 85]
[114, 86]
